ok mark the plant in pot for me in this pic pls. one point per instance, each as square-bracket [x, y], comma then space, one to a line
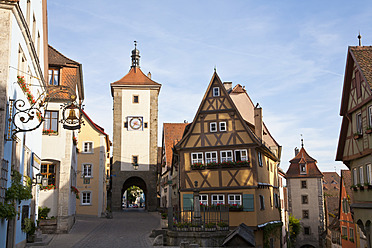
[368, 186]
[357, 135]
[29, 228]
[360, 186]
[369, 130]
[354, 187]
[210, 226]
[223, 226]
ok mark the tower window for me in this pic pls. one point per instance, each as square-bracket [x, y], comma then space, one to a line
[303, 184]
[135, 99]
[216, 91]
[305, 199]
[305, 214]
[307, 230]
[303, 168]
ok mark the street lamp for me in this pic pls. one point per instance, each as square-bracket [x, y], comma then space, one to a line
[38, 179]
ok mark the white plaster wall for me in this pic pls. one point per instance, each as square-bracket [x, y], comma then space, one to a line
[135, 143]
[49, 198]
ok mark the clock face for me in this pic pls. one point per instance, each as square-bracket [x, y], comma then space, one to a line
[135, 123]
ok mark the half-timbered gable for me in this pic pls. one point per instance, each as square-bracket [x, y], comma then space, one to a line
[229, 152]
[355, 142]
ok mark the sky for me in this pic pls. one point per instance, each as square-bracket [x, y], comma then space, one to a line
[289, 55]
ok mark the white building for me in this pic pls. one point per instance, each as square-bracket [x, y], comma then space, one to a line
[23, 53]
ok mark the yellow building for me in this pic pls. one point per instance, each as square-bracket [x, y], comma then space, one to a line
[93, 162]
[229, 151]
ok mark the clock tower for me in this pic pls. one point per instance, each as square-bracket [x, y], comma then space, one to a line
[135, 134]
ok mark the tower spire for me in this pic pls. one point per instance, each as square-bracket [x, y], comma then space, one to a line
[135, 56]
[360, 39]
[302, 142]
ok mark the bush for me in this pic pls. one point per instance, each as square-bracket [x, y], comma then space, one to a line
[43, 212]
[29, 226]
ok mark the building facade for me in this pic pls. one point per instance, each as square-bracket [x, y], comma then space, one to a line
[23, 63]
[93, 160]
[59, 157]
[283, 198]
[305, 199]
[355, 142]
[135, 135]
[228, 150]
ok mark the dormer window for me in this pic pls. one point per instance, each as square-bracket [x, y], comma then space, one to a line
[303, 168]
[216, 91]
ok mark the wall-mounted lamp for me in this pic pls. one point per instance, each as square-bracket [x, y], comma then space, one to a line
[38, 179]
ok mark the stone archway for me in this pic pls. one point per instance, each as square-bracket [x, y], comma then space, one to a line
[135, 181]
[307, 246]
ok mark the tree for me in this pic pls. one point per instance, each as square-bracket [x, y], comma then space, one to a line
[294, 230]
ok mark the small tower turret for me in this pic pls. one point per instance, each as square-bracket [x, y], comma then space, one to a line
[135, 56]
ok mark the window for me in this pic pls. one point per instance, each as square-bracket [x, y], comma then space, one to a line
[88, 147]
[203, 199]
[223, 126]
[87, 170]
[259, 158]
[53, 76]
[359, 123]
[145, 124]
[262, 202]
[3, 179]
[305, 199]
[216, 91]
[218, 199]
[235, 199]
[361, 178]
[135, 160]
[355, 176]
[213, 127]
[196, 157]
[135, 99]
[303, 168]
[241, 155]
[50, 122]
[351, 236]
[49, 171]
[226, 156]
[368, 174]
[345, 206]
[210, 157]
[307, 230]
[344, 231]
[86, 198]
[370, 116]
[305, 214]
[303, 184]
[276, 200]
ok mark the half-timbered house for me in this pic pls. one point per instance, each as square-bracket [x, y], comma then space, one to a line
[355, 141]
[229, 151]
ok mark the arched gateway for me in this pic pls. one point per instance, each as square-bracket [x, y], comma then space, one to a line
[135, 138]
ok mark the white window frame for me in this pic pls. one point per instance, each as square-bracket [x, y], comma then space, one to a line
[220, 199]
[90, 198]
[351, 233]
[226, 157]
[83, 170]
[236, 199]
[203, 199]
[303, 166]
[213, 127]
[87, 150]
[370, 116]
[197, 159]
[361, 175]
[216, 91]
[242, 158]
[209, 157]
[358, 123]
[223, 126]
[355, 176]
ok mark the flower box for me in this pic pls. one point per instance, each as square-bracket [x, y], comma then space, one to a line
[369, 131]
[358, 136]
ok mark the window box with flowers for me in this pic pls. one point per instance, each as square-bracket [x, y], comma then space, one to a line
[242, 163]
[369, 130]
[75, 191]
[25, 89]
[197, 166]
[235, 207]
[357, 136]
[227, 164]
[49, 187]
[344, 237]
[50, 132]
[368, 186]
[213, 165]
[354, 187]
[360, 186]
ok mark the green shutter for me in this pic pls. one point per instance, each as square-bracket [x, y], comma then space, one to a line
[248, 202]
[187, 201]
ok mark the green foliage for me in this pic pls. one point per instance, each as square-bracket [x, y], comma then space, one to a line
[222, 224]
[210, 225]
[16, 192]
[271, 230]
[133, 192]
[294, 229]
[29, 226]
[43, 212]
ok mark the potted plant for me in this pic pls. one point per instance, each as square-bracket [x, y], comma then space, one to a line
[75, 191]
[369, 186]
[182, 226]
[29, 228]
[210, 227]
[369, 130]
[360, 186]
[357, 136]
[222, 226]
[354, 187]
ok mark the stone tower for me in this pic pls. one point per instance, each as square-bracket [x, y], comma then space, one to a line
[135, 134]
[305, 198]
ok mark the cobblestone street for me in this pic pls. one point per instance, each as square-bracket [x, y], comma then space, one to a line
[126, 229]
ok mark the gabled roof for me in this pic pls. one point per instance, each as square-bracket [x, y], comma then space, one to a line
[331, 183]
[135, 77]
[98, 129]
[311, 167]
[347, 183]
[57, 58]
[172, 133]
[361, 57]
[242, 236]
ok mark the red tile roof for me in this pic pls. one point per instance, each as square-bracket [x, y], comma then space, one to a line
[135, 77]
[238, 89]
[311, 167]
[98, 128]
[172, 133]
[57, 58]
[363, 56]
[346, 181]
[331, 183]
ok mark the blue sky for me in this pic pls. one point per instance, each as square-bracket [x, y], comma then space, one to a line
[289, 55]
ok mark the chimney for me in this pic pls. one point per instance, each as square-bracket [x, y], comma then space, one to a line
[149, 75]
[296, 151]
[228, 86]
[258, 126]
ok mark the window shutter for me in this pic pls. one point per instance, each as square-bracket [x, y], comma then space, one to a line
[248, 202]
[187, 201]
